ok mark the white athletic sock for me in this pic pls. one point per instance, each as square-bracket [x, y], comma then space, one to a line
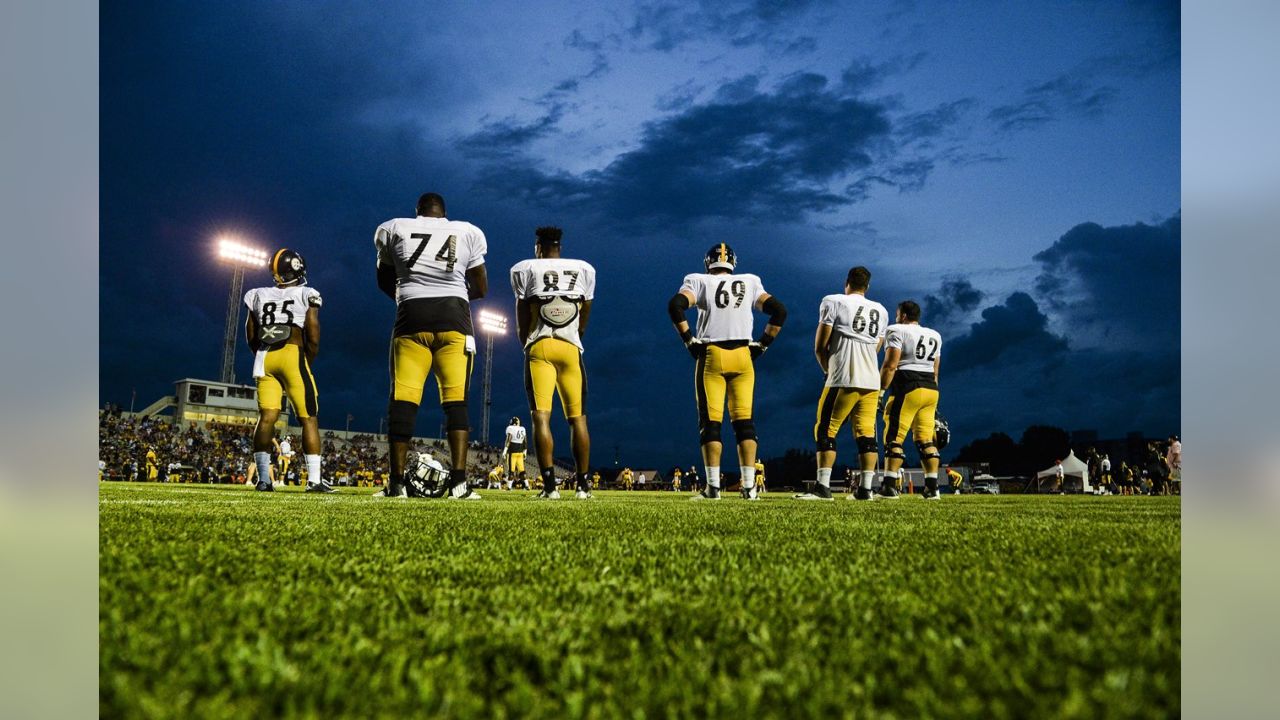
[891, 474]
[748, 476]
[313, 469]
[263, 461]
[867, 477]
[933, 476]
[713, 477]
[824, 477]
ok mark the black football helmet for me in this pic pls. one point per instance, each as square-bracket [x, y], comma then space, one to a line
[424, 476]
[941, 432]
[288, 267]
[514, 421]
[721, 256]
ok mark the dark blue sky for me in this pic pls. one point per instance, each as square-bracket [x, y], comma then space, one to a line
[1013, 167]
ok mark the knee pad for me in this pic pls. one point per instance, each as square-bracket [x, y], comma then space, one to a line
[455, 416]
[894, 451]
[867, 445]
[401, 417]
[826, 444]
[709, 433]
[928, 450]
[744, 429]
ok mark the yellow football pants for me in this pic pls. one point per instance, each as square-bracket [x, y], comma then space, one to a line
[515, 463]
[442, 354]
[916, 410]
[835, 406]
[555, 365]
[719, 372]
[288, 373]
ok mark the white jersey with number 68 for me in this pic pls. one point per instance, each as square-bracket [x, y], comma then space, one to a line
[857, 327]
[724, 302]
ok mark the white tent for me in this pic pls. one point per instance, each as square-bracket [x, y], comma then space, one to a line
[1074, 470]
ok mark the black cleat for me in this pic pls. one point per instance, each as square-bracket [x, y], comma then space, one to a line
[818, 492]
[711, 493]
[862, 494]
[264, 487]
[320, 487]
[888, 492]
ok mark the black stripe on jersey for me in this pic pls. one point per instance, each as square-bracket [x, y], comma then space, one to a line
[700, 391]
[391, 367]
[827, 409]
[895, 417]
[582, 370]
[308, 385]
[528, 385]
[433, 315]
[466, 388]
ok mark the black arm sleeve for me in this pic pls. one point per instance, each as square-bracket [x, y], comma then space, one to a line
[777, 311]
[387, 280]
[676, 308]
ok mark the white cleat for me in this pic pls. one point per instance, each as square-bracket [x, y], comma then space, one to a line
[582, 495]
[383, 494]
[553, 495]
[468, 495]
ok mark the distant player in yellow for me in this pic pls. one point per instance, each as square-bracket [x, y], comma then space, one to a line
[675, 479]
[626, 478]
[725, 356]
[553, 304]
[760, 477]
[495, 478]
[956, 480]
[153, 465]
[595, 480]
[513, 451]
[432, 267]
[909, 376]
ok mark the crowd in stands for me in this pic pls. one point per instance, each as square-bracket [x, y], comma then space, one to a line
[141, 449]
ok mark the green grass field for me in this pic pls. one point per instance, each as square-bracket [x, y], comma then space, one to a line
[221, 602]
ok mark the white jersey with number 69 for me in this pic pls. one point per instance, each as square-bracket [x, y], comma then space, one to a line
[724, 302]
[857, 327]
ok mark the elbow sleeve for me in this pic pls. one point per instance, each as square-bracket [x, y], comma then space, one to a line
[676, 308]
[387, 280]
[777, 311]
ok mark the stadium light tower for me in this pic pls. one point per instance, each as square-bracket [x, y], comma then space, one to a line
[491, 324]
[239, 256]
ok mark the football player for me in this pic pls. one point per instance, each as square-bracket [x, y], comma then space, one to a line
[851, 330]
[513, 451]
[760, 477]
[432, 267]
[676, 475]
[283, 330]
[553, 305]
[725, 355]
[909, 377]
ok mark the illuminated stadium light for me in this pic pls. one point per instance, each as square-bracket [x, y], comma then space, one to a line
[493, 323]
[241, 254]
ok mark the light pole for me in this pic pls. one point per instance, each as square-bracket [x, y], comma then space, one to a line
[239, 256]
[491, 324]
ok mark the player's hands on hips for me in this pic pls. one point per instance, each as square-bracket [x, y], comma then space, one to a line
[696, 348]
[757, 349]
